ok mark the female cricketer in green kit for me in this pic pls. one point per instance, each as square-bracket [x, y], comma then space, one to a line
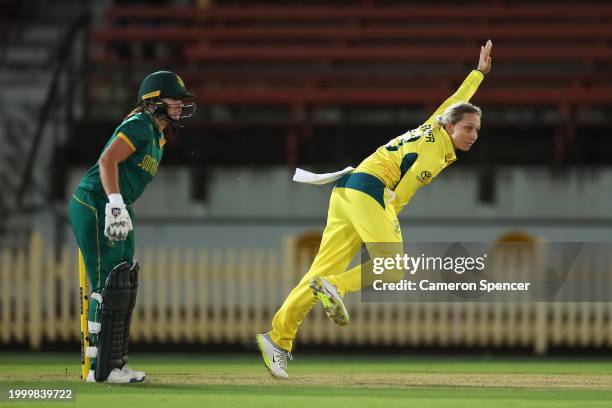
[102, 220]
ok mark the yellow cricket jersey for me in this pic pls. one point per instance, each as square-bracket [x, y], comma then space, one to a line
[413, 159]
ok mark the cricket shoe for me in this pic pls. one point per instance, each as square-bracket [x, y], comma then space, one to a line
[124, 375]
[117, 376]
[136, 376]
[330, 299]
[275, 358]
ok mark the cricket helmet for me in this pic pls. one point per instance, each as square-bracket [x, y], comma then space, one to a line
[162, 84]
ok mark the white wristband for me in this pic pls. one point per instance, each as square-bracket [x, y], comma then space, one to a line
[115, 199]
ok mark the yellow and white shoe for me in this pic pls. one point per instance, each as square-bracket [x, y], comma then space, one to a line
[331, 300]
[275, 358]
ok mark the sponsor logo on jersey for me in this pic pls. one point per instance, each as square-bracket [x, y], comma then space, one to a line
[424, 176]
[149, 164]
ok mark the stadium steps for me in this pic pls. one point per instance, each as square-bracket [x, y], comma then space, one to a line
[26, 63]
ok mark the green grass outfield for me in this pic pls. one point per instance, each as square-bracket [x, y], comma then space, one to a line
[240, 380]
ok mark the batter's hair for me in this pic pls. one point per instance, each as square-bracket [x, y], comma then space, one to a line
[169, 131]
[134, 111]
[455, 112]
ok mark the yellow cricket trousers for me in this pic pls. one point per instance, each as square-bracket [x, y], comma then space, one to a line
[357, 213]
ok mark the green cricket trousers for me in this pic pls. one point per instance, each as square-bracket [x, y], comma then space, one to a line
[86, 214]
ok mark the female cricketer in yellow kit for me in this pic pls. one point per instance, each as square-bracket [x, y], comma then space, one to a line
[363, 208]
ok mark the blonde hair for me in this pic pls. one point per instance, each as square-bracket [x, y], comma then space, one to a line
[455, 112]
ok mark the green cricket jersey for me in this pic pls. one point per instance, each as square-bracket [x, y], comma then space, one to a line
[147, 141]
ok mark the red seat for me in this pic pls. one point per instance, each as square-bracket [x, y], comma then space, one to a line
[419, 14]
[350, 33]
[415, 53]
[371, 55]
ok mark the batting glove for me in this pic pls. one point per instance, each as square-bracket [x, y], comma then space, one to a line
[117, 222]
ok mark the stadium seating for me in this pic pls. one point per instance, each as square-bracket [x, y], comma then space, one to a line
[351, 42]
[371, 55]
